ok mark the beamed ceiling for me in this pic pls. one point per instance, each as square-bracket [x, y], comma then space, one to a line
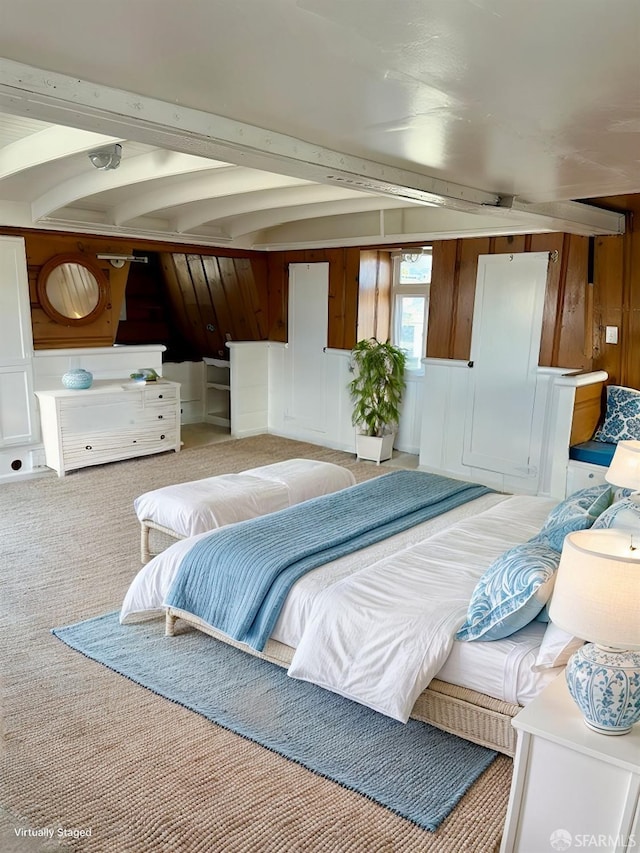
[271, 124]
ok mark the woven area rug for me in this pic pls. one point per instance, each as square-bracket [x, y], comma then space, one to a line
[415, 770]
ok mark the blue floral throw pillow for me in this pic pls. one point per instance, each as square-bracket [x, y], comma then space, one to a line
[577, 512]
[624, 515]
[622, 419]
[512, 591]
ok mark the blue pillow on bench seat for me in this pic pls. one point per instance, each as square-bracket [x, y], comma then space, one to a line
[594, 452]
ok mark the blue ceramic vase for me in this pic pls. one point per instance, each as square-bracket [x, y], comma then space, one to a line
[77, 379]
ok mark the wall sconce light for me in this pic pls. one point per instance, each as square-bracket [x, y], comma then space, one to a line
[118, 261]
[107, 157]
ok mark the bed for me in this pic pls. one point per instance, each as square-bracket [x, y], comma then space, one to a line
[476, 687]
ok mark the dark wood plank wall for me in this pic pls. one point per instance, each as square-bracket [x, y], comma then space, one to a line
[453, 292]
[217, 299]
[40, 248]
[342, 310]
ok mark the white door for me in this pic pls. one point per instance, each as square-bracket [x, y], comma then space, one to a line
[505, 345]
[17, 422]
[308, 328]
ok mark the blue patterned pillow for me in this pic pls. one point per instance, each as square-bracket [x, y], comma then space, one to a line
[622, 418]
[512, 591]
[624, 514]
[577, 512]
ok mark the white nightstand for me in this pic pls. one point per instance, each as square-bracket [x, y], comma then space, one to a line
[572, 788]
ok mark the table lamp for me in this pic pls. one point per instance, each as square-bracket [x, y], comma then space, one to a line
[624, 470]
[597, 597]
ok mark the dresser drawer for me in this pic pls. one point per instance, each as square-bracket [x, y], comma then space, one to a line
[153, 392]
[102, 447]
[84, 416]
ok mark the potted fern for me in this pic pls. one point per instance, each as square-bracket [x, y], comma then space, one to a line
[376, 390]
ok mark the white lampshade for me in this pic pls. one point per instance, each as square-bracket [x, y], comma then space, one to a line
[597, 591]
[624, 470]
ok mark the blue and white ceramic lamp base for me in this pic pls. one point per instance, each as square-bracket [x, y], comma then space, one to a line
[605, 685]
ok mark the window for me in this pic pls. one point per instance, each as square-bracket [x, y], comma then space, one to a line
[411, 280]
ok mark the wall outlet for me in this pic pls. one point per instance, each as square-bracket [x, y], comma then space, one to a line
[611, 335]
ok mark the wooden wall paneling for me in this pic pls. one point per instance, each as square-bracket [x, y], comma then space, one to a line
[609, 271]
[183, 298]
[218, 297]
[550, 338]
[277, 296]
[249, 289]
[253, 271]
[241, 327]
[631, 340]
[587, 409]
[442, 299]
[468, 252]
[337, 299]
[367, 295]
[239, 287]
[383, 296]
[571, 349]
[351, 285]
[210, 331]
[41, 247]
[508, 245]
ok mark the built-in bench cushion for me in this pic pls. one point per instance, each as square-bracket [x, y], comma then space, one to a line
[594, 452]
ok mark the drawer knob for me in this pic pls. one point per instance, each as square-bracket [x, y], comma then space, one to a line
[160, 417]
[160, 396]
[88, 447]
[162, 436]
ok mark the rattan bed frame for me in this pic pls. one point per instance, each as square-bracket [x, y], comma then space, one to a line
[462, 712]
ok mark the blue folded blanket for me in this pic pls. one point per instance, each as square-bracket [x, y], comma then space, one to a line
[237, 578]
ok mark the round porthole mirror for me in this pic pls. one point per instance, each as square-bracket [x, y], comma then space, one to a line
[71, 291]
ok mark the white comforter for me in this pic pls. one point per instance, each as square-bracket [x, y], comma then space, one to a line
[380, 635]
[377, 625]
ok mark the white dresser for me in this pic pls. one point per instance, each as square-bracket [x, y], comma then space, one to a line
[111, 420]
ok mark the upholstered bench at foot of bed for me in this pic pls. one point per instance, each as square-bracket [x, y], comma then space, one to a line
[186, 509]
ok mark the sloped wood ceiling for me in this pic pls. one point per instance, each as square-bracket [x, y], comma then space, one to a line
[217, 299]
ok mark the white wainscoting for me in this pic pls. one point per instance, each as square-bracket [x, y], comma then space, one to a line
[443, 430]
[250, 387]
[261, 390]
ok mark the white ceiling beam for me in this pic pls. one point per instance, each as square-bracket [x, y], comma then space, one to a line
[45, 146]
[221, 183]
[392, 227]
[65, 100]
[144, 167]
[214, 209]
[262, 220]
[570, 216]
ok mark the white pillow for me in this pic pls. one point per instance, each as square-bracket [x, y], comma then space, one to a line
[556, 648]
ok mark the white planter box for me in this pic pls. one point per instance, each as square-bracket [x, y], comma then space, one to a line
[378, 449]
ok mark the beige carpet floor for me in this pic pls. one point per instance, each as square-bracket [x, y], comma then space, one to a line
[86, 751]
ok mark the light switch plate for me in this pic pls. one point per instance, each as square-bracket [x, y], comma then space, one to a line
[611, 335]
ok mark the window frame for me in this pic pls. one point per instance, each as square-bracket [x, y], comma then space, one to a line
[398, 291]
